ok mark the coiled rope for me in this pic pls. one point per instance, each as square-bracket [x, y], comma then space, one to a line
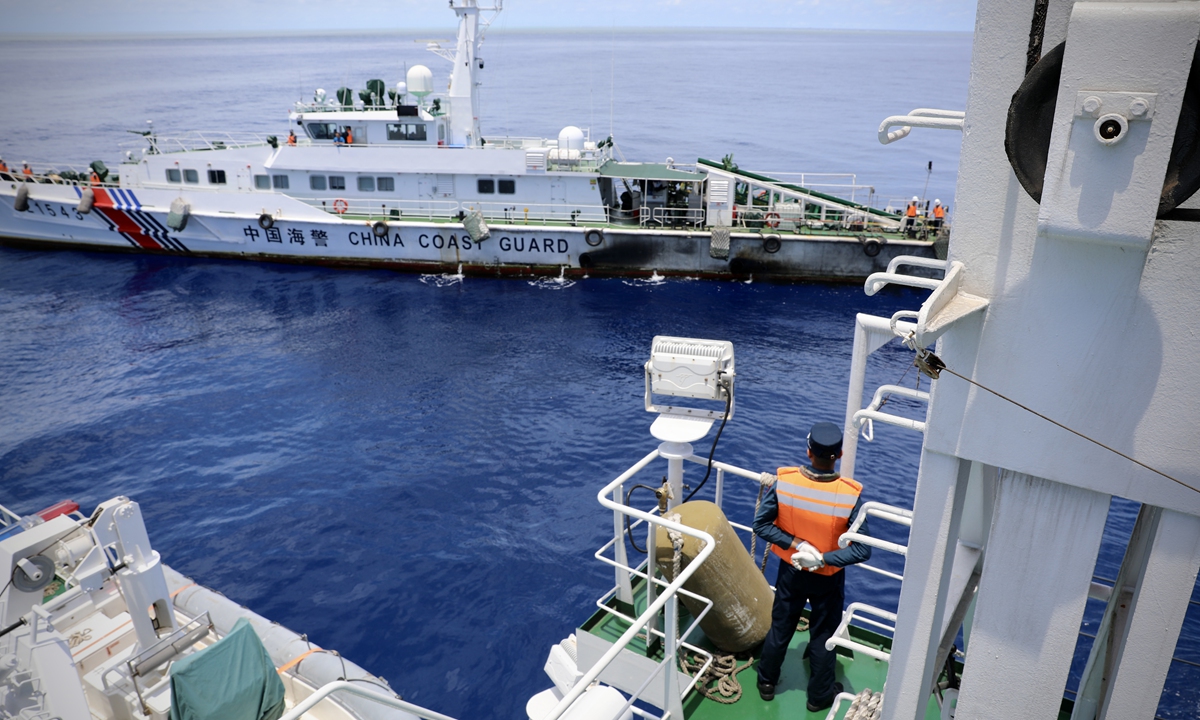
[866, 705]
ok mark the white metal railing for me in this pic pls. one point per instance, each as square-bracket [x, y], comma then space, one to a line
[535, 213]
[349, 688]
[920, 117]
[667, 600]
[865, 615]
[866, 417]
[800, 217]
[671, 216]
[198, 140]
[386, 209]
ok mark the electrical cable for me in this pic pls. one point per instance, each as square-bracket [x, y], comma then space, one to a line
[713, 450]
[628, 530]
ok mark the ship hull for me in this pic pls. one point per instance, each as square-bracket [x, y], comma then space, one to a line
[232, 225]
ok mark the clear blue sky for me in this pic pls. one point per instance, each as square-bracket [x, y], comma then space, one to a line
[109, 17]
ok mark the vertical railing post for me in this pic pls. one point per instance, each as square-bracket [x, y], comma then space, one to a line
[720, 487]
[670, 648]
[624, 587]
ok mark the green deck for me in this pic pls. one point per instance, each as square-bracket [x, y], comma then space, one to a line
[855, 672]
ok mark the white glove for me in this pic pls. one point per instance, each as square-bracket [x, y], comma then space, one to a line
[767, 479]
[807, 557]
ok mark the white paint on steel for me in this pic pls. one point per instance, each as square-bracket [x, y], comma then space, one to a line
[1042, 550]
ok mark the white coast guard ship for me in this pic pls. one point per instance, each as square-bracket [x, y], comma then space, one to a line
[403, 177]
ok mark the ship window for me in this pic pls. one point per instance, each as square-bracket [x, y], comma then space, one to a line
[385, 184]
[191, 176]
[486, 187]
[316, 182]
[173, 175]
[406, 131]
[321, 131]
[216, 177]
[262, 182]
[337, 182]
[280, 182]
[366, 183]
[508, 187]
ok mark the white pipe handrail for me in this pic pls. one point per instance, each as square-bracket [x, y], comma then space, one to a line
[856, 611]
[920, 117]
[877, 281]
[709, 545]
[358, 690]
[915, 261]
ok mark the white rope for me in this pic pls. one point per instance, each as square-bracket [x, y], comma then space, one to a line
[866, 705]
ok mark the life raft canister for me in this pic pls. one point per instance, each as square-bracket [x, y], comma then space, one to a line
[742, 599]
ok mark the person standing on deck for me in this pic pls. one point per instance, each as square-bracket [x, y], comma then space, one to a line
[802, 515]
[939, 215]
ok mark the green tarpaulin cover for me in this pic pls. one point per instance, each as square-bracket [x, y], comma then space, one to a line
[233, 679]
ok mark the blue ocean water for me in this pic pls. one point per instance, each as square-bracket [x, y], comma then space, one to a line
[405, 468]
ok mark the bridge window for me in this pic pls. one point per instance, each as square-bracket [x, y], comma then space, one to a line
[191, 176]
[316, 182]
[173, 175]
[366, 183]
[262, 182]
[486, 187]
[321, 131]
[385, 184]
[406, 131]
[508, 187]
[216, 177]
[280, 182]
[337, 182]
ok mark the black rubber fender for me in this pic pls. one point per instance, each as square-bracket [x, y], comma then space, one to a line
[594, 237]
[771, 244]
[871, 246]
[379, 229]
[265, 221]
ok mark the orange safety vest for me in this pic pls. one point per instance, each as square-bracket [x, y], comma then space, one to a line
[939, 212]
[26, 170]
[912, 210]
[818, 512]
[95, 178]
[349, 137]
[291, 139]
[3, 167]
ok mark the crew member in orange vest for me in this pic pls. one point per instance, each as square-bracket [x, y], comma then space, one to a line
[291, 138]
[802, 515]
[26, 170]
[349, 136]
[910, 217]
[939, 215]
[3, 166]
[95, 179]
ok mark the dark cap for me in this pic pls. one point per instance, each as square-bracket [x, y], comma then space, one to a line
[825, 440]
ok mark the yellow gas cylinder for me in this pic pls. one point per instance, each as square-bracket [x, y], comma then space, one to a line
[742, 598]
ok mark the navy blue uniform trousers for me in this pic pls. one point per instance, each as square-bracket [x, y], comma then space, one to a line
[794, 588]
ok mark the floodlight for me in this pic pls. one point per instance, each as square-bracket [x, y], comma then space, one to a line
[688, 368]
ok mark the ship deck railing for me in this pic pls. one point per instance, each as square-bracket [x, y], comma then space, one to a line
[198, 140]
[644, 608]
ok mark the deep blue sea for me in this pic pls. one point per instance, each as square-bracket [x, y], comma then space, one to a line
[405, 467]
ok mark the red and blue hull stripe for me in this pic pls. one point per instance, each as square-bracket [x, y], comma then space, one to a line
[123, 213]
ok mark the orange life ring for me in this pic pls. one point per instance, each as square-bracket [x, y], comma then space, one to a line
[340, 206]
[771, 220]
